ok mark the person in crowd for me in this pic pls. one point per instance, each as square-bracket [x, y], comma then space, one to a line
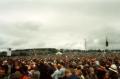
[68, 66]
[92, 74]
[24, 72]
[79, 74]
[107, 76]
[35, 73]
[3, 72]
[67, 75]
[113, 72]
[62, 70]
[100, 71]
[45, 71]
[57, 73]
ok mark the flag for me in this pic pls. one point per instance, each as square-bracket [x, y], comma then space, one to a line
[107, 43]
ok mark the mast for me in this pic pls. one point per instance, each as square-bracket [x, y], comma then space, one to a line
[85, 44]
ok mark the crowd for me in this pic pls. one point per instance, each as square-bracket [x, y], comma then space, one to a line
[67, 66]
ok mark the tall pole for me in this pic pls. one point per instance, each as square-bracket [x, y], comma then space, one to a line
[106, 45]
[85, 44]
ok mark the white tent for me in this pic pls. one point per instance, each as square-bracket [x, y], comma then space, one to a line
[58, 53]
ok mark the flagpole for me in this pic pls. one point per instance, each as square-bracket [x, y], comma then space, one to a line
[85, 44]
[106, 45]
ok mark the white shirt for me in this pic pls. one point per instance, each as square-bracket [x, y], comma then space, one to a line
[56, 74]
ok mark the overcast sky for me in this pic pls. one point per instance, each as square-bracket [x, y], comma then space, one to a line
[59, 23]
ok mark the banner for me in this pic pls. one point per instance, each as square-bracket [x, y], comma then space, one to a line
[9, 51]
[107, 43]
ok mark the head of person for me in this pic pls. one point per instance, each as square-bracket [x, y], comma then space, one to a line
[78, 72]
[2, 71]
[68, 73]
[113, 68]
[58, 66]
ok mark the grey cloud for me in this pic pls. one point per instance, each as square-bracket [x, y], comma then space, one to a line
[24, 30]
[104, 8]
[19, 42]
[28, 26]
[18, 34]
[2, 42]
[59, 23]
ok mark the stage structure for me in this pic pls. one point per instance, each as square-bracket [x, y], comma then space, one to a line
[9, 52]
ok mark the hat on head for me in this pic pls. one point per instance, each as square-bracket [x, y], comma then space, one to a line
[113, 67]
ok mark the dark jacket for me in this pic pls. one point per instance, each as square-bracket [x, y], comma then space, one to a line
[113, 75]
[74, 77]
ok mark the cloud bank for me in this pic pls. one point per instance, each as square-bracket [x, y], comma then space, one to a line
[59, 24]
